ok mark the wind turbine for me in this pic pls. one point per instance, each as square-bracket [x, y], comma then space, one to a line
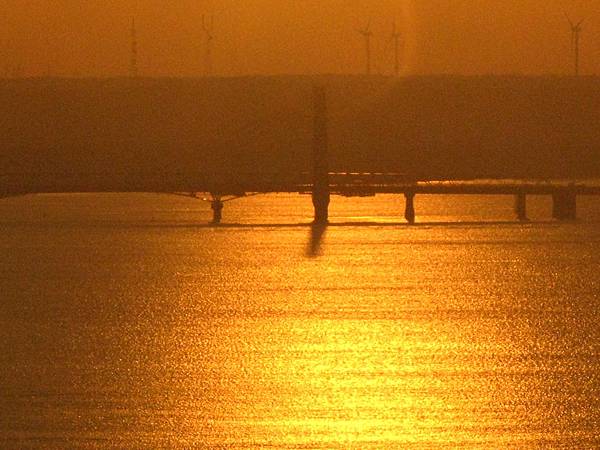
[367, 35]
[208, 28]
[133, 63]
[575, 39]
[396, 39]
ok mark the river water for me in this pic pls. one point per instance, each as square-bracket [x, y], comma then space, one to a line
[125, 322]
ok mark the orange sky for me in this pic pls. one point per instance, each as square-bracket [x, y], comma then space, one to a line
[91, 37]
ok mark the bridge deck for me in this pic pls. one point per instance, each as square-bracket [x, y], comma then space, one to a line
[472, 188]
[351, 185]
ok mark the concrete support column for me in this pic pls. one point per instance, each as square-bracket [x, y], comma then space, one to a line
[321, 192]
[409, 212]
[564, 205]
[217, 207]
[321, 205]
[521, 207]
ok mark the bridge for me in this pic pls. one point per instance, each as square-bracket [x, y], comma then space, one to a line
[182, 173]
[564, 194]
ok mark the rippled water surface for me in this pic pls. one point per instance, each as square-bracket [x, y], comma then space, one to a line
[125, 322]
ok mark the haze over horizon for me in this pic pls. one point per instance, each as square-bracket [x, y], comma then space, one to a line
[71, 38]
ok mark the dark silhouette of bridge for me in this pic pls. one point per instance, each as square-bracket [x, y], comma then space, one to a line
[320, 182]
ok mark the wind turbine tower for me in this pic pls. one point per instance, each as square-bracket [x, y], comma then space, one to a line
[396, 36]
[208, 28]
[575, 41]
[133, 63]
[367, 35]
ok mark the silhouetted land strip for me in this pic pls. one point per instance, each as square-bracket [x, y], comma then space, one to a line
[231, 137]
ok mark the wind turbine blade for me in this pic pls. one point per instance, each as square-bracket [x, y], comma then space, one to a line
[569, 19]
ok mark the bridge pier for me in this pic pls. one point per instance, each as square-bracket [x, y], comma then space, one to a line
[217, 207]
[321, 204]
[409, 211]
[564, 205]
[321, 194]
[521, 207]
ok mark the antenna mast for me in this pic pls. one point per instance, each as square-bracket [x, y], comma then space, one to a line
[208, 28]
[133, 67]
[396, 38]
[367, 35]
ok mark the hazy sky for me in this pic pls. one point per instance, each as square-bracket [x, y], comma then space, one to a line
[91, 37]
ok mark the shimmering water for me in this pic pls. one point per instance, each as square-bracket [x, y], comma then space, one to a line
[127, 323]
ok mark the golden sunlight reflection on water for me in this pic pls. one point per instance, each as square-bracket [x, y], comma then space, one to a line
[131, 331]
